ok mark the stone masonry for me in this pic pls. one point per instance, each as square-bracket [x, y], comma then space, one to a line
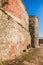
[18, 31]
[33, 28]
[14, 33]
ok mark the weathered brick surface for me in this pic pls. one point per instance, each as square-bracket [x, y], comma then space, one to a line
[13, 37]
[13, 7]
[16, 8]
[14, 29]
[25, 17]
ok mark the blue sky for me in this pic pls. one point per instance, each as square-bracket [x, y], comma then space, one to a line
[35, 7]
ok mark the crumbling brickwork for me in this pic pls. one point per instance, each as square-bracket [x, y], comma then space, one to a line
[17, 9]
[14, 33]
[33, 28]
[15, 29]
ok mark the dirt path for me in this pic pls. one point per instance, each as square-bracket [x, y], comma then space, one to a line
[33, 57]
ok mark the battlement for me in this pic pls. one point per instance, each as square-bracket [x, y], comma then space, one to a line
[33, 16]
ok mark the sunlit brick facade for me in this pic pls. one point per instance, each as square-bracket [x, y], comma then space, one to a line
[14, 29]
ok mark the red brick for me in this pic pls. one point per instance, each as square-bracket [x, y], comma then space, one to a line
[13, 8]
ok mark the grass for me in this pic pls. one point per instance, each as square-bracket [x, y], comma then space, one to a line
[30, 57]
[1, 62]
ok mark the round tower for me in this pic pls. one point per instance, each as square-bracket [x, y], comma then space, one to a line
[33, 28]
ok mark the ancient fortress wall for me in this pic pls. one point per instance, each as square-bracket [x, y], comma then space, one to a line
[17, 30]
[14, 33]
[33, 28]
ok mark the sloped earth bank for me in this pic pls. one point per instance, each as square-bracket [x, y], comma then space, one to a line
[33, 57]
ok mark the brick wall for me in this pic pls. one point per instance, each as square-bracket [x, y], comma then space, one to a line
[13, 7]
[14, 34]
[16, 8]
